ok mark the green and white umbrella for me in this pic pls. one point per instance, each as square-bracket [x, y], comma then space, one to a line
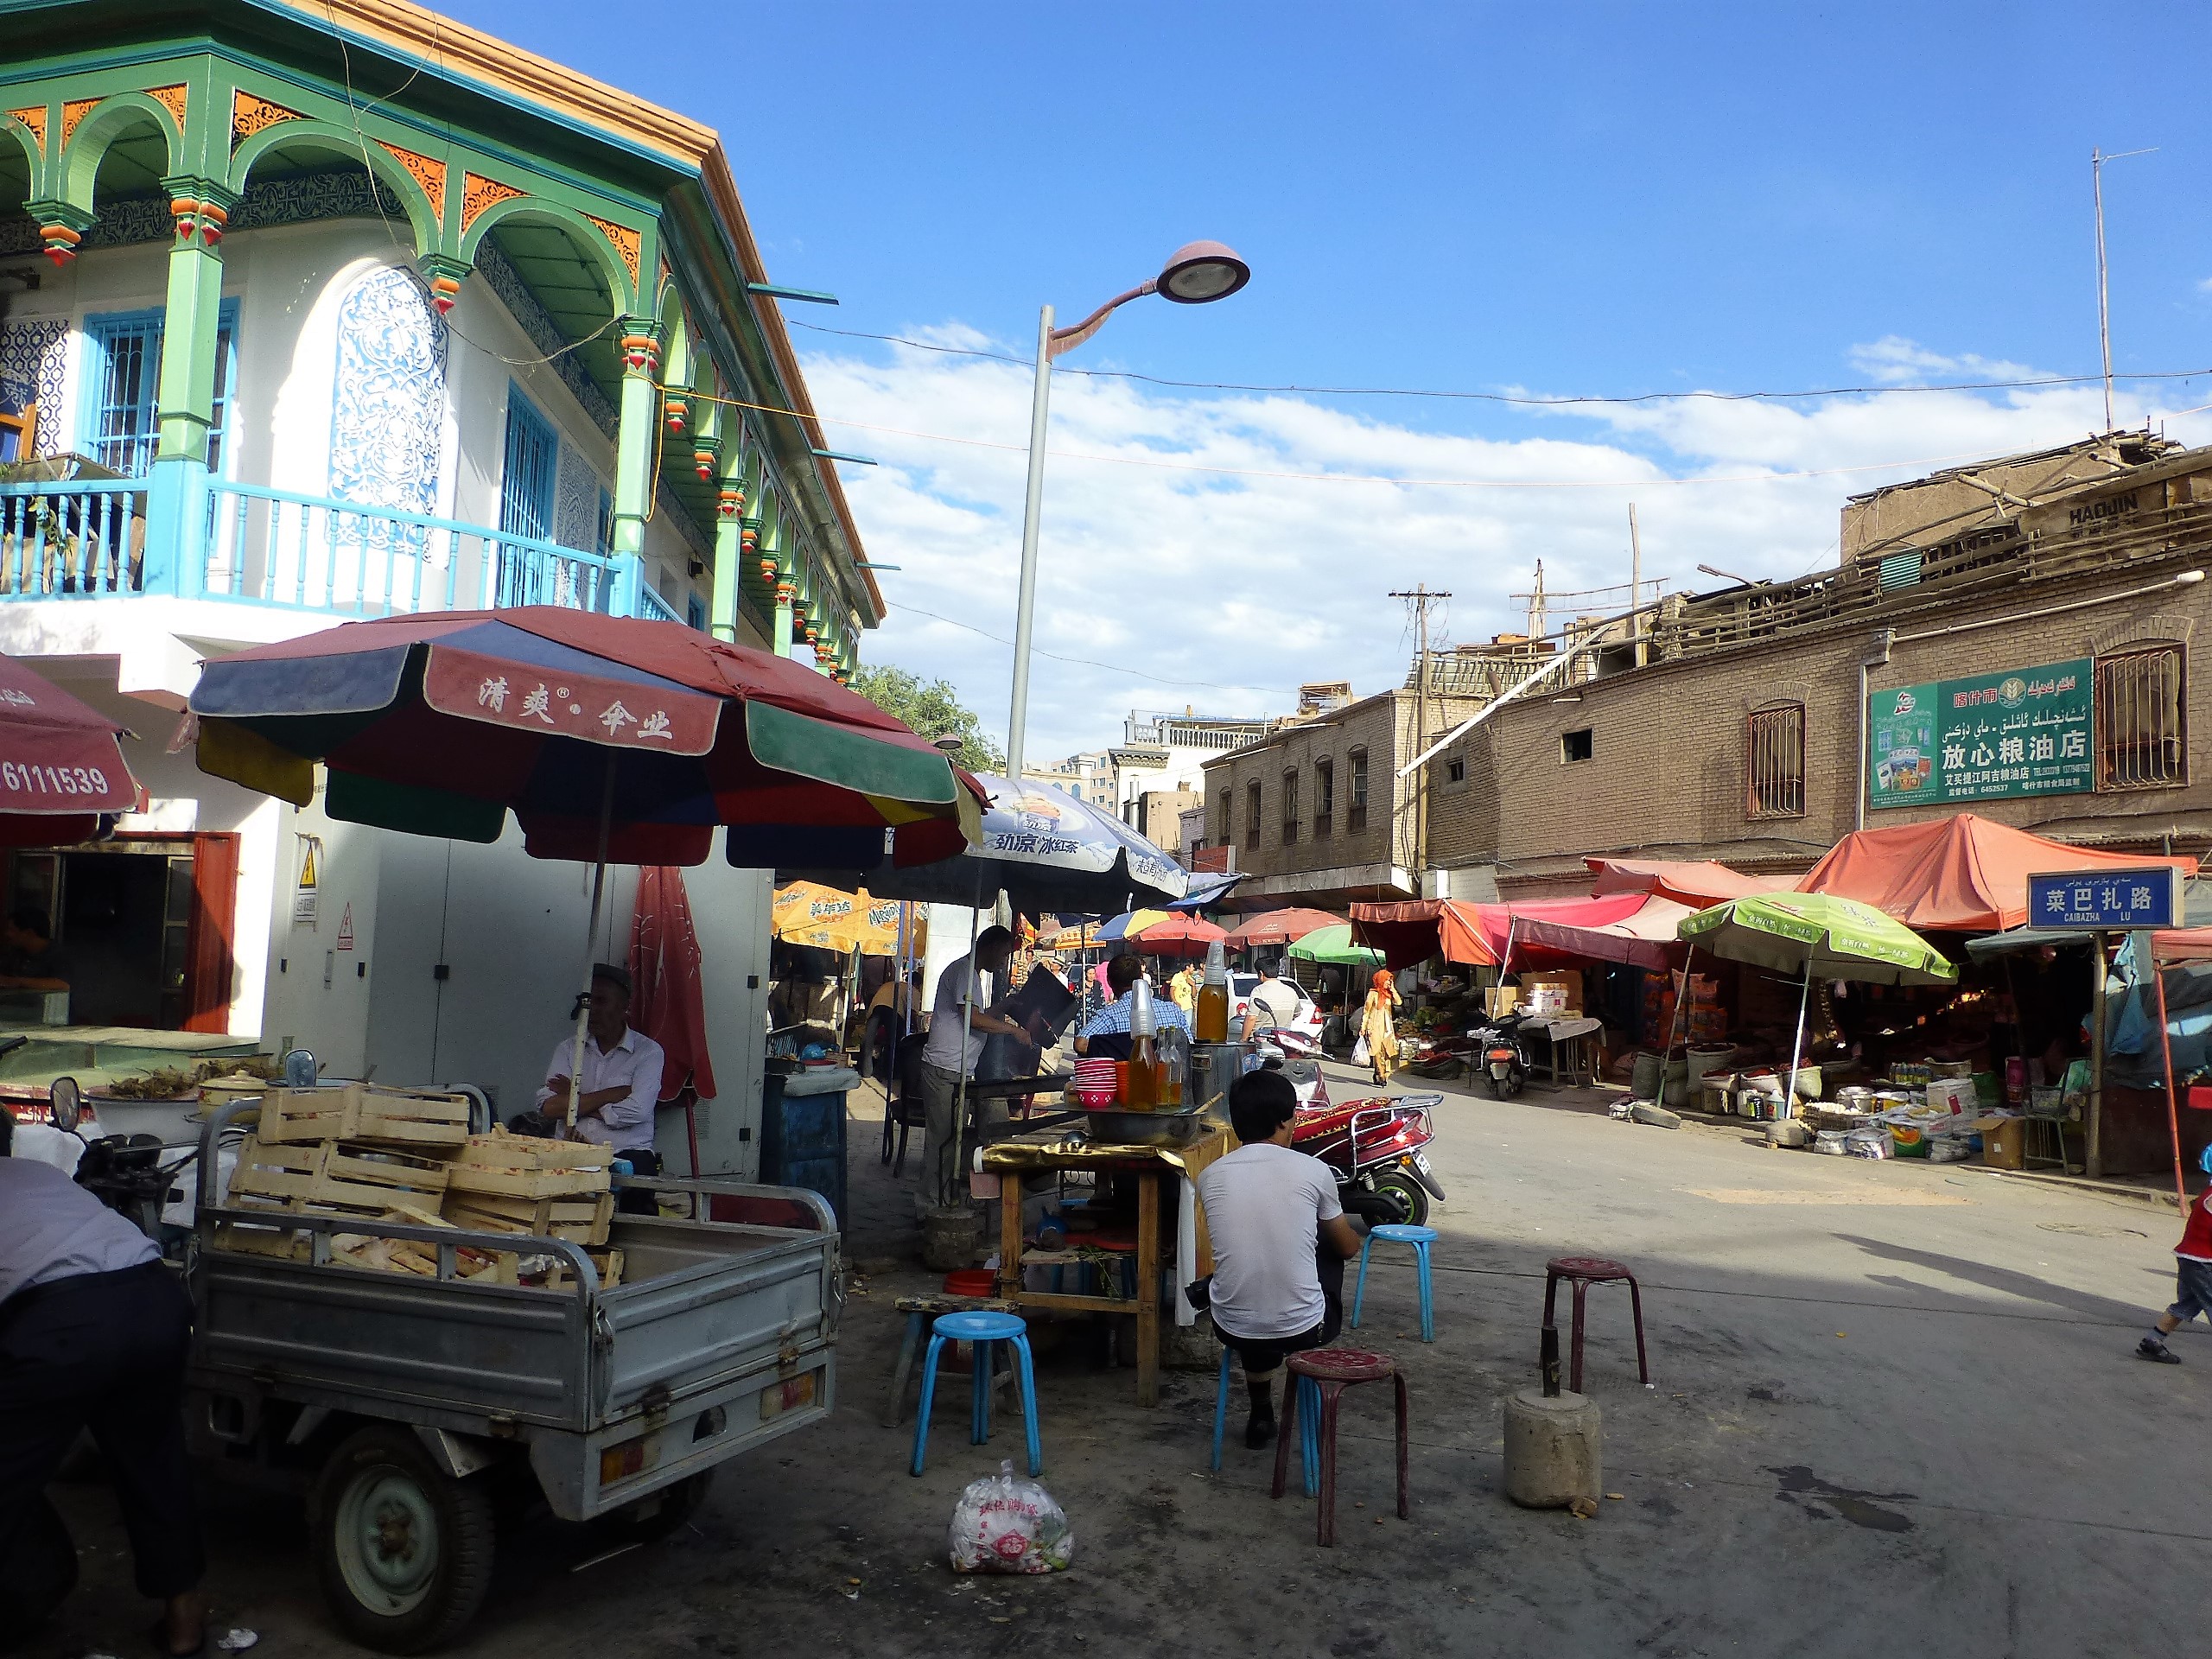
[1819, 936]
[1831, 937]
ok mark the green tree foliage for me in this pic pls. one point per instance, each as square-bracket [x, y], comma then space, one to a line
[931, 708]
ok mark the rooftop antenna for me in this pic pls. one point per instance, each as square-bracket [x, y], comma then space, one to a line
[2097, 159]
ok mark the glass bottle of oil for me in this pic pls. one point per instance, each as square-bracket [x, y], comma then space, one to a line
[1210, 1019]
[1142, 1094]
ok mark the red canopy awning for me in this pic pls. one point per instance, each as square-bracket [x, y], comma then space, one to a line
[1281, 927]
[1699, 883]
[60, 764]
[1962, 873]
[1632, 927]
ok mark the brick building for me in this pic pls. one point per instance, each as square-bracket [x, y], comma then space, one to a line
[1315, 813]
[1775, 718]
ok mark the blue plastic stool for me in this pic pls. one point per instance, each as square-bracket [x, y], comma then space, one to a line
[1395, 1233]
[986, 1331]
[1309, 1417]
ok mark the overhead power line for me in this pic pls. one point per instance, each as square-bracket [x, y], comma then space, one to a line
[1518, 399]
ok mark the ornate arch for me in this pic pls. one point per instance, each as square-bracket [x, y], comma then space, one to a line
[479, 221]
[384, 164]
[90, 128]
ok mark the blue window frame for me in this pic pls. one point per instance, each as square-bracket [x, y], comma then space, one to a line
[120, 425]
[695, 612]
[533, 460]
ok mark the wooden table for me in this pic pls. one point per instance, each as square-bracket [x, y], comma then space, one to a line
[1045, 1151]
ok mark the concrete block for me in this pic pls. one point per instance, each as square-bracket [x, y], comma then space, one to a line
[1553, 1449]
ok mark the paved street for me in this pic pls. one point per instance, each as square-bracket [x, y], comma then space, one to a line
[1894, 1408]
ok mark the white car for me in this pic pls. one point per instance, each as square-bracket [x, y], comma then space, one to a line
[1241, 987]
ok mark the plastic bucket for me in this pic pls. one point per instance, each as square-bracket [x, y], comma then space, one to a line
[972, 1282]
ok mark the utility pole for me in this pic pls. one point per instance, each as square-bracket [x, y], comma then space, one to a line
[1418, 600]
[2097, 159]
[1635, 587]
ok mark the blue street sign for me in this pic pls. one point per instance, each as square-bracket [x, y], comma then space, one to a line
[2109, 900]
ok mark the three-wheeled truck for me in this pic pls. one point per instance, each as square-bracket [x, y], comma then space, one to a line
[406, 1408]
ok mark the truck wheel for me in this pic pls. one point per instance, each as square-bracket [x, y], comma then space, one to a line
[404, 1550]
[655, 1517]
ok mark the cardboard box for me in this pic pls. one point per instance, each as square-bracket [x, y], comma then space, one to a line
[2004, 1140]
[1568, 979]
[1500, 999]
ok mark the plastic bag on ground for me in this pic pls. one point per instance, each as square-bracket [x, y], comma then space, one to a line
[1004, 1524]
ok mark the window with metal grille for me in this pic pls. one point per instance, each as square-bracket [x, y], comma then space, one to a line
[121, 424]
[2141, 720]
[526, 482]
[1289, 807]
[1356, 790]
[1774, 762]
[1252, 813]
[1325, 799]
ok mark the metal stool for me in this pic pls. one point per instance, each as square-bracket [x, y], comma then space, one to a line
[1401, 1233]
[1335, 1370]
[985, 1330]
[1585, 1271]
[1310, 1448]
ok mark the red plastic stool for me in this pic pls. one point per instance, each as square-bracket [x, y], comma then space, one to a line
[1585, 1271]
[1336, 1369]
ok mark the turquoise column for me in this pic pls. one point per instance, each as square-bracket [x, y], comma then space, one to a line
[177, 512]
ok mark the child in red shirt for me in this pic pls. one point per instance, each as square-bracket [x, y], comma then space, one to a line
[2192, 1276]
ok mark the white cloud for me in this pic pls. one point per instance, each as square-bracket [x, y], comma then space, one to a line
[1227, 589]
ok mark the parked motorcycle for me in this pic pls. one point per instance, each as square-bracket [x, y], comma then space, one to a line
[1502, 1055]
[1374, 1147]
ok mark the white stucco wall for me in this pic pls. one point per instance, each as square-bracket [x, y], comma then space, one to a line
[510, 928]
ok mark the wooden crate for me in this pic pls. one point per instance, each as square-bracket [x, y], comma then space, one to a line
[523, 1166]
[359, 1111]
[581, 1220]
[331, 1176]
[499, 1150]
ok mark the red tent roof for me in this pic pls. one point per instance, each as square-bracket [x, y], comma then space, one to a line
[1636, 927]
[1699, 884]
[1962, 873]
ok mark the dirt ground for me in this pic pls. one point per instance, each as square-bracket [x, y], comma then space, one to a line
[1894, 1408]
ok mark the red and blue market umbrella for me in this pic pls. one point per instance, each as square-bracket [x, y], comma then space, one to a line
[606, 737]
[610, 739]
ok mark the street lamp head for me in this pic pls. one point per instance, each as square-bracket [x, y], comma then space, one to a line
[1199, 272]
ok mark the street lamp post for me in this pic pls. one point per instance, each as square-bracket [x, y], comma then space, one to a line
[1195, 274]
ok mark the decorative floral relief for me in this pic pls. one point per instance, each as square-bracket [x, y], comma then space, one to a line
[34, 118]
[628, 243]
[387, 407]
[172, 99]
[249, 115]
[32, 355]
[430, 174]
[338, 195]
[74, 112]
[576, 501]
[478, 194]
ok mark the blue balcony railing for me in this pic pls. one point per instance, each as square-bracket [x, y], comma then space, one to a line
[277, 547]
[318, 554]
[76, 537]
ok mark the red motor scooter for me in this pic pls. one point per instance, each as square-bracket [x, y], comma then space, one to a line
[1374, 1148]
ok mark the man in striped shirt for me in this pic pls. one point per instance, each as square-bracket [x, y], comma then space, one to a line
[1107, 1034]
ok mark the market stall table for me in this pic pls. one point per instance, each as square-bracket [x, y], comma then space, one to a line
[1052, 1151]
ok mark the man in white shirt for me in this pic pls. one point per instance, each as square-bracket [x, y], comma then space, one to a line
[1275, 1001]
[1274, 1220]
[946, 1058]
[620, 1083]
[94, 1334]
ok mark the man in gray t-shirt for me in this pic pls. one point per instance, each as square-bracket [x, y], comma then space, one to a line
[1274, 1220]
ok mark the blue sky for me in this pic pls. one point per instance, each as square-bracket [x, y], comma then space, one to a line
[1568, 199]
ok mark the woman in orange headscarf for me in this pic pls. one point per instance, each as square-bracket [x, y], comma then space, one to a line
[1378, 1024]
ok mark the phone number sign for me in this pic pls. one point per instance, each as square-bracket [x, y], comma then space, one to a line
[2023, 731]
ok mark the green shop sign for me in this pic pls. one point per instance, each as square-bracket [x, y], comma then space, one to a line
[2023, 732]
